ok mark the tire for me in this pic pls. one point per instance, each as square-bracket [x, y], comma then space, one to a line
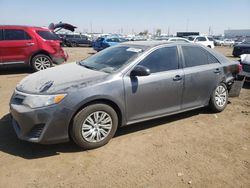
[74, 44]
[85, 131]
[209, 46]
[217, 102]
[41, 62]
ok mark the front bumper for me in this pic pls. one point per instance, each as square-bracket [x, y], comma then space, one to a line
[46, 125]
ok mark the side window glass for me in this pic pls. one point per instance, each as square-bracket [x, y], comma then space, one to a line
[194, 56]
[162, 59]
[15, 34]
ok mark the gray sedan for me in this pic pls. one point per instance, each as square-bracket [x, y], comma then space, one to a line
[131, 82]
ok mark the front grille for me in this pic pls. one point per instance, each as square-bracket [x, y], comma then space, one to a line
[246, 67]
[36, 131]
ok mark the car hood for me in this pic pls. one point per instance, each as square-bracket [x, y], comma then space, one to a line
[60, 79]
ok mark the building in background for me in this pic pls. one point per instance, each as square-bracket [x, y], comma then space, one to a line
[235, 33]
[185, 34]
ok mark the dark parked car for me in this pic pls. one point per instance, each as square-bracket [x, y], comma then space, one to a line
[242, 48]
[121, 85]
[75, 40]
[245, 62]
[31, 46]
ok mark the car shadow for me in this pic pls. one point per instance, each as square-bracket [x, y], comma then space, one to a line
[9, 143]
[15, 70]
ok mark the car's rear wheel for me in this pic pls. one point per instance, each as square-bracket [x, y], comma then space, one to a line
[219, 98]
[94, 126]
[74, 44]
[41, 62]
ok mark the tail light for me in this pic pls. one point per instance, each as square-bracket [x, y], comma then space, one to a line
[238, 68]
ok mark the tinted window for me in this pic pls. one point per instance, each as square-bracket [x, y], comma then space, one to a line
[201, 39]
[1, 34]
[191, 38]
[47, 35]
[100, 39]
[194, 56]
[162, 59]
[210, 39]
[15, 34]
[77, 36]
[211, 58]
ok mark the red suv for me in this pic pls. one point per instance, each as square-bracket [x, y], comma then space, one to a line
[34, 46]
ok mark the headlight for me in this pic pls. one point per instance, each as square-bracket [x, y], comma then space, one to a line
[36, 101]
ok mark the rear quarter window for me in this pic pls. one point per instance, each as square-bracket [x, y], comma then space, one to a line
[47, 35]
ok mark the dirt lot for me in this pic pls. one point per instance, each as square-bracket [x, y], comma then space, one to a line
[193, 149]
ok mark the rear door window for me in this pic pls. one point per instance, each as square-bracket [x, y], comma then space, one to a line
[163, 59]
[16, 34]
[194, 56]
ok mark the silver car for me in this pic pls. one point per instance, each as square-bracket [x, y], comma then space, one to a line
[131, 82]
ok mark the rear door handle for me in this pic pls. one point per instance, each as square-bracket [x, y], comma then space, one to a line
[30, 43]
[177, 78]
[216, 71]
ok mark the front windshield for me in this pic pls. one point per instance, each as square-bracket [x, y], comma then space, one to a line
[111, 59]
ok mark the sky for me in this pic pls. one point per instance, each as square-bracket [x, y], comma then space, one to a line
[127, 16]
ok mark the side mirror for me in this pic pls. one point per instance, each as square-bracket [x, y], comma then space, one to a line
[140, 71]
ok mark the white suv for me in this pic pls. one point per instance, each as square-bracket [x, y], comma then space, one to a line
[204, 40]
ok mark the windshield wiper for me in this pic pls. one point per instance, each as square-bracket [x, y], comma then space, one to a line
[89, 67]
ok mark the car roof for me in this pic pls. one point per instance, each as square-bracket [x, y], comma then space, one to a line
[151, 43]
[22, 26]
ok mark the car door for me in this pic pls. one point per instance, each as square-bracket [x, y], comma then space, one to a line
[202, 74]
[158, 93]
[16, 46]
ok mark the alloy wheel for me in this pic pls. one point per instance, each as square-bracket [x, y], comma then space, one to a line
[97, 126]
[220, 96]
[42, 63]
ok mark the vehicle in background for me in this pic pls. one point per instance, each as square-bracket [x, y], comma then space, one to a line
[172, 39]
[139, 38]
[75, 40]
[228, 42]
[104, 42]
[37, 47]
[242, 48]
[204, 40]
[245, 62]
[121, 85]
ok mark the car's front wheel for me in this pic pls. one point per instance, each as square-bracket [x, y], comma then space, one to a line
[219, 98]
[94, 126]
[41, 62]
